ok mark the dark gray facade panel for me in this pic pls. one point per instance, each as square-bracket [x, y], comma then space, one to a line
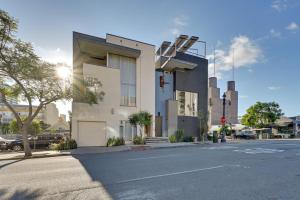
[190, 125]
[195, 80]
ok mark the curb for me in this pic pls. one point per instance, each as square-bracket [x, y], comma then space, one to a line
[33, 157]
[131, 148]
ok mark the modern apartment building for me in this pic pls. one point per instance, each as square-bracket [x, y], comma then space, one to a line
[126, 70]
[49, 114]
[181, 87]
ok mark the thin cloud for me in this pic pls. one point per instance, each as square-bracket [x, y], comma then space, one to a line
[180, 21]
[178, 24]
[293, 26]
[274, 87]
[54, 55]
[241, 53]
[275, 34]
[243, 96]
[279, 5]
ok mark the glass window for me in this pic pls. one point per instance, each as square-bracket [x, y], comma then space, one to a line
[127, 68]
[114, 61]
[187, 103]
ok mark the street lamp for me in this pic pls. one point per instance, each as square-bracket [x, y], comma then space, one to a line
[223, 119]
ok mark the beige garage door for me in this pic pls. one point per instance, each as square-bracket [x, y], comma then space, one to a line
[91, 134]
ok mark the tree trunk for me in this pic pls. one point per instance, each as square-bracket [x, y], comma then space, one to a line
[27, 149]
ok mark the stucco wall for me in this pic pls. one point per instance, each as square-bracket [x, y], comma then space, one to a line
[161, 97]
[145, 73]
[109, 110]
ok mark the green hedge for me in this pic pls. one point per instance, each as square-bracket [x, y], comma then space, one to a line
[172, 138]
[64, 145]
[115, 142]
[138, 140]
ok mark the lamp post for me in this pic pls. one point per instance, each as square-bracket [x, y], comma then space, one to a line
[223, 119]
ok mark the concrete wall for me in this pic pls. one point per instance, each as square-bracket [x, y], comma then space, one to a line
[171, 117]
[109, 110]
[162, 95]
[195, 80]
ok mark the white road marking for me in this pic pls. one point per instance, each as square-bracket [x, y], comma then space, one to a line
[155, 157]
[259, 150]
[288, 144]
[220, 147]
[171, 174]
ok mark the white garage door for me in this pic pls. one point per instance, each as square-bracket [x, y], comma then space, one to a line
[91, 134]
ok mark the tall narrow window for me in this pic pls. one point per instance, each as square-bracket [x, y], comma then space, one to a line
[127, 68]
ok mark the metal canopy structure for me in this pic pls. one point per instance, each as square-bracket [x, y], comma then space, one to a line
[178, 42]
[166, 53]
[163, 47]
[188, 44]
[170, 64]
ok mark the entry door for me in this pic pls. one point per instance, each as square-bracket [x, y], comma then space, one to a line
[158, 126]
[91, 133]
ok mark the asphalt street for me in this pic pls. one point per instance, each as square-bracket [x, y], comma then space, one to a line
[253, 170]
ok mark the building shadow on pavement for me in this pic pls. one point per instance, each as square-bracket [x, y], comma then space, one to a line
[10, 163]
[21, 194]
[98, 170]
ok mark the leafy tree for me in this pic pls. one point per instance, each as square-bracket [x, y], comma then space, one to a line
[34, 128]
[24, 75]
[13, 126]
[203, 121]
[44, 125]
[4, 128]
[262, 115]
[142, 118]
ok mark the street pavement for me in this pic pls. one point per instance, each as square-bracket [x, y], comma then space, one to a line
[255, 170]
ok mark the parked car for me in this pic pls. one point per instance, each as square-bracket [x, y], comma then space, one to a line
[44, 140]
[38, 142]
[13, 144]
[246, 134]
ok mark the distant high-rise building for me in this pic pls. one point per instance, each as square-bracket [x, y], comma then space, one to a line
[215, 103]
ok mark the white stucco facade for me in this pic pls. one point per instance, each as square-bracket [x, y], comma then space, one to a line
[109, 114]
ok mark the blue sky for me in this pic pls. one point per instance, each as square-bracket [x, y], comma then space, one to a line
[263, 36]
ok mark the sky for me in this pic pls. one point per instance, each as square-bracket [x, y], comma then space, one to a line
[261, 38]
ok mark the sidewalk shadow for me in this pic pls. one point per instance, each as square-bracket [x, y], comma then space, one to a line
[21, 194]
[10, 163]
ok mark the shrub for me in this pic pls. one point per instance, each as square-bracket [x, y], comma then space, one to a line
[179, 135]
[172, 138]
[188, 139]
[215, 138]
[225, 129]
[64, 145]
[138, 140]
[115, 142]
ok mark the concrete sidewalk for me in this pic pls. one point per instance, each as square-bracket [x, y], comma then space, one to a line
[93, 150]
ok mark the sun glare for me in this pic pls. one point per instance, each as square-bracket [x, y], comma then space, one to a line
[63, 72]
